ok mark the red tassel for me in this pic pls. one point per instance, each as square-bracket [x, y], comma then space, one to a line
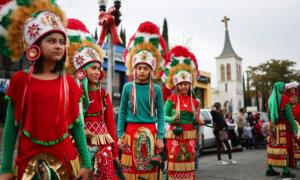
[25, 91]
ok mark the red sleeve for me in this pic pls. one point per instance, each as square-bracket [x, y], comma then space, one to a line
[173, 98]
[166, 92]
[110, 122]
[296, 112]
[75, 94]
[284, 100]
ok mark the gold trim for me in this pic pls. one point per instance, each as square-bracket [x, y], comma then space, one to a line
[280, 127]
[148, 176]
[101, 139]
[75, 164]
[126, 160]
[127, 139]
[52, 162]
[189, 166]
[185, 135]
[276, 162]
[170, 178]
[276, 151]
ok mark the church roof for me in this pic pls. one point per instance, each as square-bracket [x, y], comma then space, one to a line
[228, 50]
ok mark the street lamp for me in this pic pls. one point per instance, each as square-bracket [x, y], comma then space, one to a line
[109, 22]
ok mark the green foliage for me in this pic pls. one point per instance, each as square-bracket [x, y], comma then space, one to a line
[165, 32]
[263, 76]
[123, 37]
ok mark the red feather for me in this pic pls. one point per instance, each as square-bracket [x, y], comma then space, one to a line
[148, 27]
[75, 24]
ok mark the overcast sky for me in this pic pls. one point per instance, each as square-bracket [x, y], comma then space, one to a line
[259, 30]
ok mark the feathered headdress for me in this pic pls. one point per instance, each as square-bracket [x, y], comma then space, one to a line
[82, 52]
[145, 46]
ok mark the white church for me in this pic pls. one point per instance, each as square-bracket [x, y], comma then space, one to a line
[229, 91]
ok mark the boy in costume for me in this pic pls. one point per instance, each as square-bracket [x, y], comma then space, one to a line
[142, 104]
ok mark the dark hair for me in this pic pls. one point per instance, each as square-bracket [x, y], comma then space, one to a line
[217, 105]
[242, 110]
[38, 67]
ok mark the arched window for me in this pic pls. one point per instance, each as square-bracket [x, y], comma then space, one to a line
[240, 72]
[222, 73]
[228, 72]
[237, 72]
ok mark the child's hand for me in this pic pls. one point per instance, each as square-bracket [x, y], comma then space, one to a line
[159, 144]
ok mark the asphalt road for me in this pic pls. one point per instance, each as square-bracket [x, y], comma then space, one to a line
[251, 166]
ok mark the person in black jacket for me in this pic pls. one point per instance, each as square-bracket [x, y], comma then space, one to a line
[220, 127]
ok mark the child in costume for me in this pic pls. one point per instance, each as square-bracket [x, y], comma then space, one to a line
[282, 127]
[85, 62]
[43, 102]
[180, 112]
[142, 104]
[291, 90]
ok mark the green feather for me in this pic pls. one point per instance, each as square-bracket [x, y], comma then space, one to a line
[75, 39]
[4, 50]
[167, 71]
[154, 42]
[90, 39]
[174, 62]
[23, 3]
[187, 61]
[6, 19]
[138, 40]
[53, 2]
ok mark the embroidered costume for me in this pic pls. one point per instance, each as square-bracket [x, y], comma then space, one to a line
[291, 90]
[181, 136]
[45, 112]
[98, 110]
[282, 128]
[142, 105]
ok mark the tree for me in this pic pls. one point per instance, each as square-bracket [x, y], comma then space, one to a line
[165, 32]
[263, 76]
[96, 35]
[123, 37]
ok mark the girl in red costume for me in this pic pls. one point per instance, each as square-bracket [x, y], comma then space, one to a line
[85, 62]
[43, 102]
[180, 112]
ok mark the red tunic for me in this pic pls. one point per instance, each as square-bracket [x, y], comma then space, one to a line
[105, 123]
[44, 126]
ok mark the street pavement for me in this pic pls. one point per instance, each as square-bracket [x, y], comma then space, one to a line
[251, 166]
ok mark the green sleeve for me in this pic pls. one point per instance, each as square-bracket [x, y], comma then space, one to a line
[77, 131]
[122, 112]
[160, 115]
[169, 118]
[290, 118]
[9, 140]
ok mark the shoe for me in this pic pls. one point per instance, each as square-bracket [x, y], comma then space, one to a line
[232, 161]
[222, 162]
[272, 173]
[288, 175]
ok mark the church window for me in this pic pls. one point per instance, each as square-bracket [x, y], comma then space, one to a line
[225, 87]
[228, 72]
[222, 73]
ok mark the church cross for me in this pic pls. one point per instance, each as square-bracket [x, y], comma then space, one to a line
[225, 21]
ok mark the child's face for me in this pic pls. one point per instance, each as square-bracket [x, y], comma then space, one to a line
[93, 72]
[53, 47]
[293, 99]
[143, 72]
[183, 87]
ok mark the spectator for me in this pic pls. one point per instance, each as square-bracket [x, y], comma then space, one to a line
[231, 130]
[259, 138]
[240, 122]
[247, 134]
[221, 134]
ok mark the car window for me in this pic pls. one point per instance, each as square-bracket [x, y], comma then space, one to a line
[204, 115]
[264, 117]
